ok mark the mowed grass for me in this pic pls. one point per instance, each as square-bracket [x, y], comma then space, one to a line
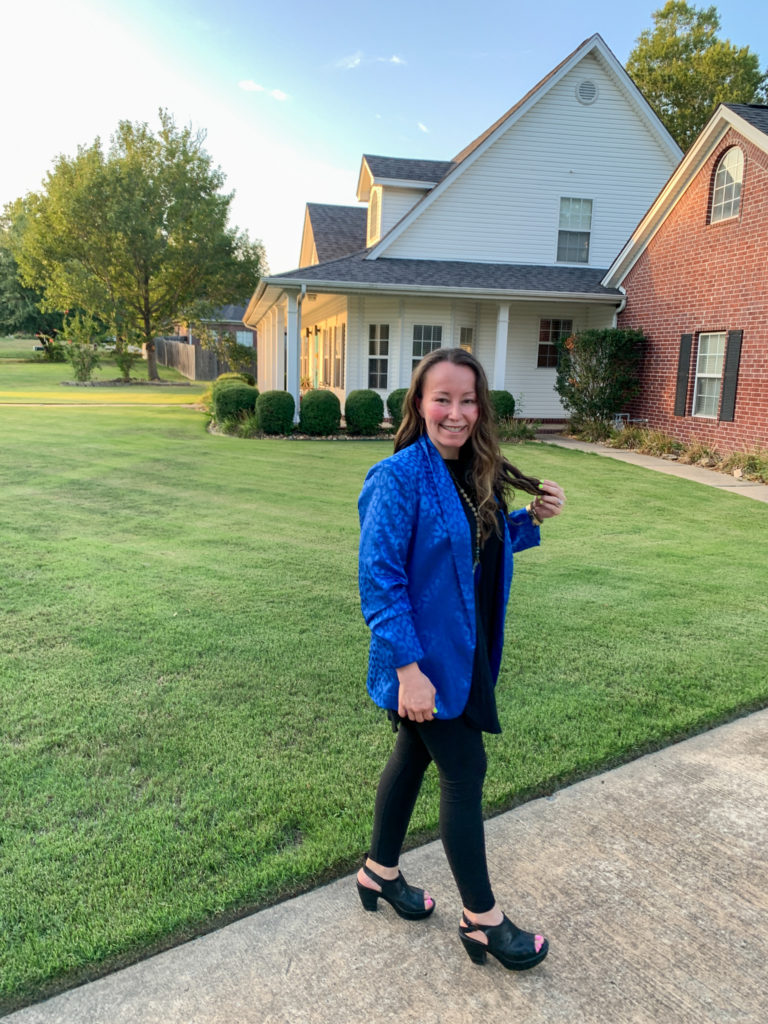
[24, 382]
[185, 731]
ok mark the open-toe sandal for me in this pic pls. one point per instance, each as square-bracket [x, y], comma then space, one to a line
[515, 949]
[406, 899]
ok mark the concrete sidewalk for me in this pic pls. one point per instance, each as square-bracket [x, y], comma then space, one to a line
[649, 880]
[708, 477]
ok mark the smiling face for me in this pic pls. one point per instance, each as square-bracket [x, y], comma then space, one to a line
[448, 406]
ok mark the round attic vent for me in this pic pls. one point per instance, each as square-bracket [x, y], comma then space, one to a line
[586, 92]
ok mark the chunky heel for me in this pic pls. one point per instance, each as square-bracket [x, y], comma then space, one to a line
[408, 901]
[476, 951]
[368, 897]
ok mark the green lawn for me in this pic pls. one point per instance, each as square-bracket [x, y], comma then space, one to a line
[185, 732]
[23, 382]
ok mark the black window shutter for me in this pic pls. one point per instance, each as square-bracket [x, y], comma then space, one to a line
[730, 376]
[683, 373]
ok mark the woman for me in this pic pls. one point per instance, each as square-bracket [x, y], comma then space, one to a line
[436, 550]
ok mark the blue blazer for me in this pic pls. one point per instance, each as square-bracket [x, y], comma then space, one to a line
[416, 579]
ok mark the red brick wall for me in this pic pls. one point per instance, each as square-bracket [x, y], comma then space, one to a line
[698, 277]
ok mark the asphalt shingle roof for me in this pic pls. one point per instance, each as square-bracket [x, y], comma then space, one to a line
[754, 113]
[452, 274]
[337, 230]
[405, 169]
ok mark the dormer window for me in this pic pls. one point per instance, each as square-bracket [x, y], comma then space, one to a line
[726, 197]
[574, 230]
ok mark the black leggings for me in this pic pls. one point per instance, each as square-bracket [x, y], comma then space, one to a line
[457, 750]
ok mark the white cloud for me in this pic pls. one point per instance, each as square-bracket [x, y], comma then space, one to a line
[353, 61]
[248, 85]
[356, 59]
[423, 128]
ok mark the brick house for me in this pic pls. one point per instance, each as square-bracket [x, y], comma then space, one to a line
[694, 274]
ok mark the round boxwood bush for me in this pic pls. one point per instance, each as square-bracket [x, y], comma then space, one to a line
[395, 405]
[363, 411]
[231, 398]
[319, 413]
[275, 412]
[503, 405]
[245, 378]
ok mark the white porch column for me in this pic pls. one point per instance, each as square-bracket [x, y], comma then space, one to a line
[293, 351]
[278, 368]
[500, 355]
[268, 355]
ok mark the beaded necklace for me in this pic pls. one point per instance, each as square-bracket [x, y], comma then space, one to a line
[476, 514]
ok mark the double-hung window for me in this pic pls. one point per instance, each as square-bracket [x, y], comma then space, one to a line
[550, 332]
[574, 230]
[378, 355]
[709, 373]
[426, 338]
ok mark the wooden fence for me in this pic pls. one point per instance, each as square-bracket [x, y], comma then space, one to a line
[193, 361]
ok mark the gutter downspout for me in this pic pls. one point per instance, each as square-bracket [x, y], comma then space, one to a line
[621, 307]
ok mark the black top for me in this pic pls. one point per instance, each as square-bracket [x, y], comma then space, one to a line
[480, 709]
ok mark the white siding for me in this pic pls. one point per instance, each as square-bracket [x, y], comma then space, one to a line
[395, 203]
[505, 206]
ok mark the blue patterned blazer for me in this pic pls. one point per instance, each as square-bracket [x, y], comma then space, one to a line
[416, 579]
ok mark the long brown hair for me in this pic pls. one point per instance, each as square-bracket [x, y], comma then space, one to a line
[493, 476]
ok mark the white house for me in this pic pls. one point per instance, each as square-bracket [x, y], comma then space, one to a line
[500, 250]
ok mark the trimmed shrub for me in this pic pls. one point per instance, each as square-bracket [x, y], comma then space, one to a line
[246, 378]
[363, 411]
[275, 411]
[319, 413]
[231, 398]
[503, 405]
[395, 405]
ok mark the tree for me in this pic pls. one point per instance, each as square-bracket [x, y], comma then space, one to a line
[685, 71]
[20, 311]
[137, 237]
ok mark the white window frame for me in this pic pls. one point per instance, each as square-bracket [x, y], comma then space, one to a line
[466, 338]
[553, 333]
[709, 367]
[726, 195]
[428, 338]
[378, 351]
[574, 229]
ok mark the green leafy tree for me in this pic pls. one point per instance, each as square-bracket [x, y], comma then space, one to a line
[597, 373]
[137, 236]
[684, 70]
[20, 311]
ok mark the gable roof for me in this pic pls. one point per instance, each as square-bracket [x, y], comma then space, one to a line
[337, 230]
[596, 46]
[750, 120]
[406, 169]
[398, 170]
[753, 113]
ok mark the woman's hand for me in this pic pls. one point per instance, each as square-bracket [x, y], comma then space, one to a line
[416, 697]
[550, 501]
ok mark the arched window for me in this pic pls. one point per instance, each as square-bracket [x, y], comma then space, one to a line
[727, 193]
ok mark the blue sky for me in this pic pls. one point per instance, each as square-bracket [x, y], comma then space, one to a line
[291, 94]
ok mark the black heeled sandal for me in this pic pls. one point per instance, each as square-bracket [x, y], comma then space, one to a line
[406, 899]
[515, 949]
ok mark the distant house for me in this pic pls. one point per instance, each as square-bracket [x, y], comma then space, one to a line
[226, 320]
[501, 250]
[694, 273]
